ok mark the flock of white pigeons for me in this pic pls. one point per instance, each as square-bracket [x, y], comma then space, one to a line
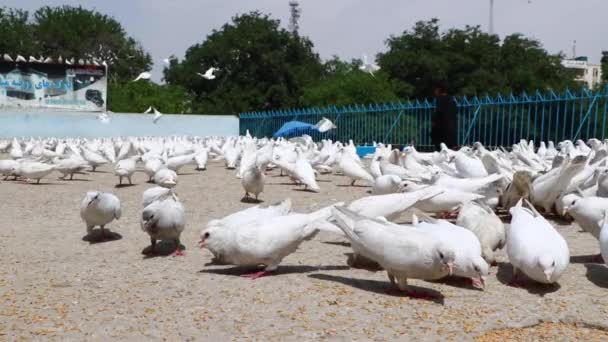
[472, 184]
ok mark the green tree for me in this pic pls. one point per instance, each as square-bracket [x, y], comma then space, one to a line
[16, 33]
[471, 61]
[261, 66]
[343, 84]
[136, 97]
[82, 33]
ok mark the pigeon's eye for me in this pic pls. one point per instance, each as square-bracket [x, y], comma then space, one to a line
[553, 264]
[441, 255]
[207, 235]
[405, 185]
[476, 269]
[574, 202]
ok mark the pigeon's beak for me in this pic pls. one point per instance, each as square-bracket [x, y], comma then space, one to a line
[480, 283]
[450, 266]
[548, 275]
[564, 211]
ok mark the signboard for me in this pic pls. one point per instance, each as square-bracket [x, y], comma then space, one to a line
[39, 86]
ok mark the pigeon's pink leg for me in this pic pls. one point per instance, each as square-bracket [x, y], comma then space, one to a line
[515, 282]
[178, 252]
[256, 275]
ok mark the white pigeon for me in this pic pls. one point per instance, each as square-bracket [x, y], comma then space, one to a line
[157, 115]
[201, 158]
[325, 125]
[166, 62]
[143, 76]
[125, 168]
[253, 180]
[447, 200]
[7, 57]
[164, 220]
[93, 158]
[604, 238]
[368, 67]
[391, 206]
[98, 209]
[8, 167]
[165, 178]
[104, 118]
[208, 75]
[465, 184]
[386, 184]
[301, 171]
[407, 253]
[374, 167]
[469, 167]
[263, 242]
[534, 247]
[149, 110]
[483, 222]
[70, 166]
[252, 214]
[151, 167]
[20, 59]
[156, 193]
[353, 169]
[33, 170]
[588, 213]
[176, 163]
[468, 260]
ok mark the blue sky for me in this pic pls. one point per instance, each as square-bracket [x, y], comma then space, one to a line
[351, 28]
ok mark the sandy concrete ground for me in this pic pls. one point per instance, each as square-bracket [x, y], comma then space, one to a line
[56, 286]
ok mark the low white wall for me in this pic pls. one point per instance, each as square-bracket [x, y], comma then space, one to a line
[70, 124]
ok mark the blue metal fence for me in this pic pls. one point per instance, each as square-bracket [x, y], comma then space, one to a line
[501, 120]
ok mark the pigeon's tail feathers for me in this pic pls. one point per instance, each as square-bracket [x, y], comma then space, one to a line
[323, 213]
[415, 220]
[426, 218]
[532, 208]
[345, 222]
[326, 226]
[430, 193]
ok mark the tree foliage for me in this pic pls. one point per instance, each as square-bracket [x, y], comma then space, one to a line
[136, 97]
[261, 66]
[343, 84]
[470, 61]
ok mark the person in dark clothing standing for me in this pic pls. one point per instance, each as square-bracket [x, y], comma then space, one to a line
[444, 122]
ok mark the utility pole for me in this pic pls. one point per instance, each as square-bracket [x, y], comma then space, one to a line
[295, 10]
[491, 26]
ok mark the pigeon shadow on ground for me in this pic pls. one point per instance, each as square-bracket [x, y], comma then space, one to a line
[586, 259]
[216, 262]
[238, 271]
[597, 274]
[505, 276]
[459, 282]
[362, 263]
[201, 169]
[162, 249]
[95, 236]
[187, 174]
[380, 287]
[75, 180]
[306, 190]
[120, 186]
[352, 186]
[338, 243]
[41, 183]
[251, 200]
